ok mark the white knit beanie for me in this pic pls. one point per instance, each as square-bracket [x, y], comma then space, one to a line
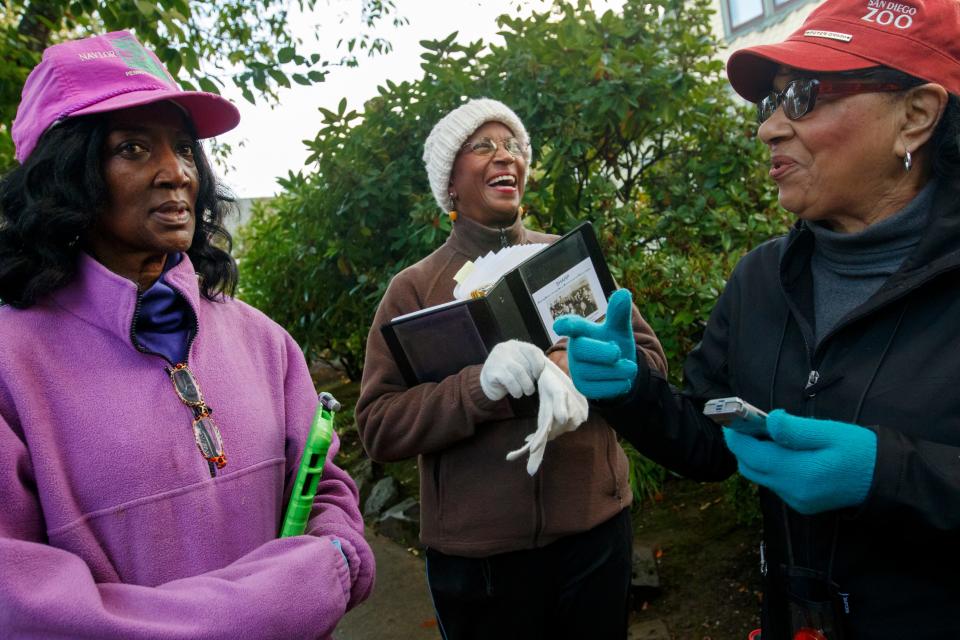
[448, 135]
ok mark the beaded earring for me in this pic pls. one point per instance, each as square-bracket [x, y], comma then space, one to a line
[453, 212]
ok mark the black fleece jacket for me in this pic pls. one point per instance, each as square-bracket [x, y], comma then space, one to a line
[891, 364]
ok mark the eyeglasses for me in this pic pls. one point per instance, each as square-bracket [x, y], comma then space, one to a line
[488, 146]
[205, 430]
[799, 96]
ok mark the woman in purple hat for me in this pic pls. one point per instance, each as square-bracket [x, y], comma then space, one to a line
[150, 424]
[845, 330]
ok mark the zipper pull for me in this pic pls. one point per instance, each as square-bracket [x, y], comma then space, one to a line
[503, 239]
[763, 558]
[812, 378]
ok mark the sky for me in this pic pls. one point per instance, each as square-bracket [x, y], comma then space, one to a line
[268, 141]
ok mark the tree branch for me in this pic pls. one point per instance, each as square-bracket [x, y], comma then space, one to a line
[36, 20]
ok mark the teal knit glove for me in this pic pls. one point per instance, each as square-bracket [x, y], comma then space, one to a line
[813, 465]
[756, 427]
[602, 357]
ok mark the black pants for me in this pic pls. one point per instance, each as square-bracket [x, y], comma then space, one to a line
[575, 587]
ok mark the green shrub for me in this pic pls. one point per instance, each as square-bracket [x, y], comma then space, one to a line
[633, 128]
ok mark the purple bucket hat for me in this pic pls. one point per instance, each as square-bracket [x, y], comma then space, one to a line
[106, 73]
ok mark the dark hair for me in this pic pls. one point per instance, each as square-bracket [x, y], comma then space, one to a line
[945, 141]
[48, 203]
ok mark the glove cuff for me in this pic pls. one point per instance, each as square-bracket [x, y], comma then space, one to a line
[488, 409]
[638, 393]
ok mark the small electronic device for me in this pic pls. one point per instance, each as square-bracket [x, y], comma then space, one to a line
[726, 410]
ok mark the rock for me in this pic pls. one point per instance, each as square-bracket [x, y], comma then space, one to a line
[384, 494]
[402, 521]
[644, 581]
[651, 630]
[362, 474]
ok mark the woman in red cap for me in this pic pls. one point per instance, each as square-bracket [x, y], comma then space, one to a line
[845, 330]
[119, 339]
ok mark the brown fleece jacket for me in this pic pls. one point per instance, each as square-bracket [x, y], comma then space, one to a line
[473, 502]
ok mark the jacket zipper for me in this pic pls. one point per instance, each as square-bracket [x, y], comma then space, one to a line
[193, 336]
[538, 508]
[611, 442]
[813, 376]
[436, 488]
[763, 558]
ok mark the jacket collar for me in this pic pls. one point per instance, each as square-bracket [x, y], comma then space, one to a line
[108, 301]
[937, 251]
[939, 247]
[473, 239]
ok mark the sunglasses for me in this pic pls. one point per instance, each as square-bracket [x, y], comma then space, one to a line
[488, 146]
[205, 430]
[799, 96]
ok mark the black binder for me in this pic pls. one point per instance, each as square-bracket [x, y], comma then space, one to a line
[569, 276]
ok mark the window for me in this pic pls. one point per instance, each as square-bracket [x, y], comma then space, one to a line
[743, 16]
[743, 11]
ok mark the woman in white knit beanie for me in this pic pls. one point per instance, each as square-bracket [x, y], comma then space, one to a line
[510, 554]
[482, 121]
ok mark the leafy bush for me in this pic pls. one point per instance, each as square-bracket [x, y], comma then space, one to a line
[633, 128]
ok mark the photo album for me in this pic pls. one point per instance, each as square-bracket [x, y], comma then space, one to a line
[515, 293]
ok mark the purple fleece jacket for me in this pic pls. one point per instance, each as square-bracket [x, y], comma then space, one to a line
[110, 524]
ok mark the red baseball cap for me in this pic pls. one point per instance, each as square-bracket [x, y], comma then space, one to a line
[918, 37]
[106, 73]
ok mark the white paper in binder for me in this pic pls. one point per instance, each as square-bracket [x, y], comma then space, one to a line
[484, 272]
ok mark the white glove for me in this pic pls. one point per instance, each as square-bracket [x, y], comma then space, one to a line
[512, 367]
[562, 409]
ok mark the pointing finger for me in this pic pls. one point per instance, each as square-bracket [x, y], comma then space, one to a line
[576, 326]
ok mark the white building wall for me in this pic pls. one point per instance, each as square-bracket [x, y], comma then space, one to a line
[773, 29]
